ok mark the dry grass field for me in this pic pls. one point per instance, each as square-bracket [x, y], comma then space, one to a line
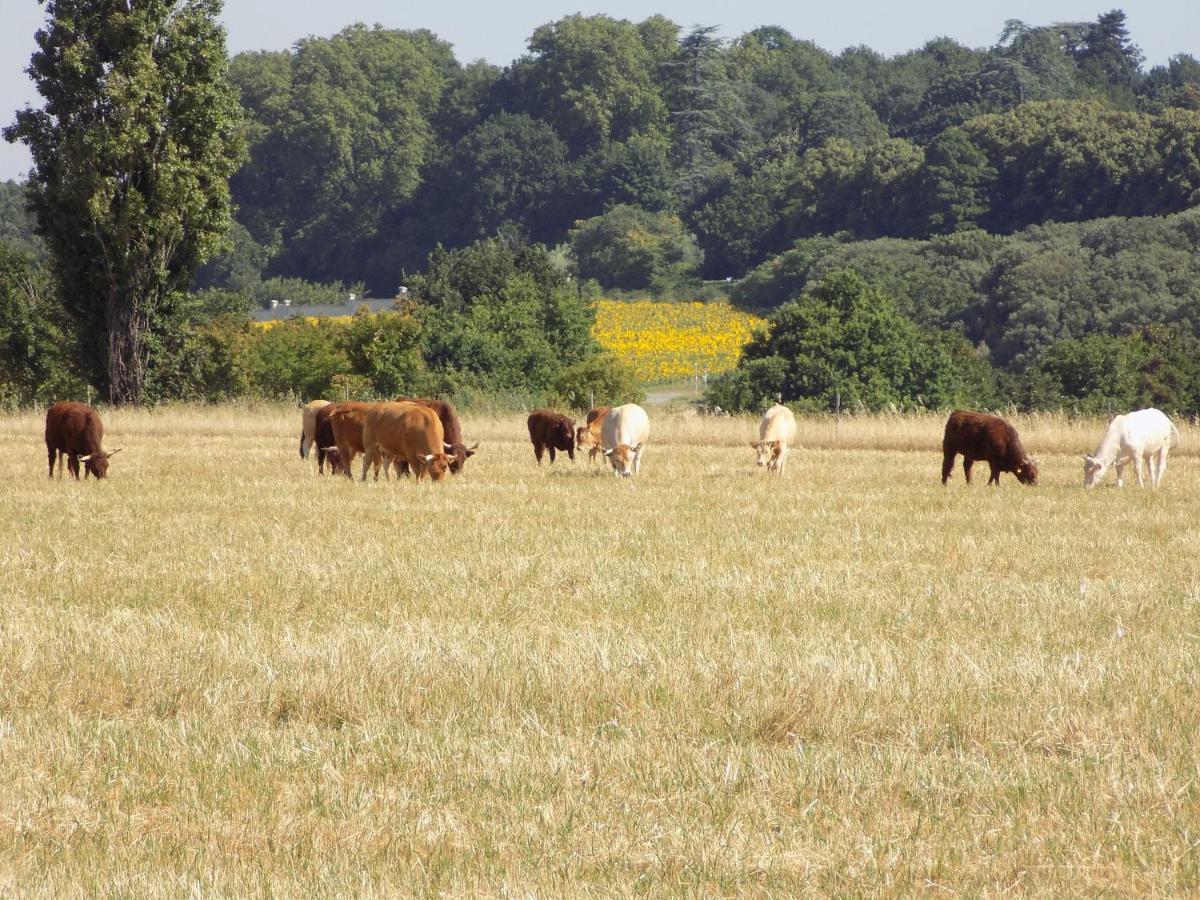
[223, 675]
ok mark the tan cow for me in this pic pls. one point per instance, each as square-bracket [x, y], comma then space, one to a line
[776, 431]
[308, 425]
[624, 434]
[347, 421]
[587, 437]
[407, 432]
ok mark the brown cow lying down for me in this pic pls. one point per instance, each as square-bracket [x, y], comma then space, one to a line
[553, 431]
[587, 437]
[74, 430]
[980, 436]
[451, 432]
[408, 432]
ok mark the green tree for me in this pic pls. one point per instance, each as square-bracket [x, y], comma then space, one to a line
[844, 344]
[631, 249]
[132, 154]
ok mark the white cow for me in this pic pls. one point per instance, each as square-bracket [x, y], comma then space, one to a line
[623, 436]
[775, 432]
[1145, 434]
[308, 429]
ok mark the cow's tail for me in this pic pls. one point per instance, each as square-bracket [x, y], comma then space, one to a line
[1174, 437]
[303, 454]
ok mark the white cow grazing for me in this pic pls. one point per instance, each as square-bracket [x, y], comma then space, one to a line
[775, 432]
[623, 436]
[1145, 434]
[308, 429]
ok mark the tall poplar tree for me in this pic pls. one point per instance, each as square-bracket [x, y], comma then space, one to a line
[132, 153]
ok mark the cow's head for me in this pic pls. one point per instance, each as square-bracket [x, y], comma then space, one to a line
[97, 463]
[768, 453]
[1026, 471]
[334, 458]
[1093, 470]
[437, 465]
[584, 438]
[459, 454]
[622, 457]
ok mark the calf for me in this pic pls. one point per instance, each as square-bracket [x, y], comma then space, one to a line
[775, 431]
[587, 436]
[624, 435]
[1145, 434]
[980, 436]
[550, 430]
[74, 430]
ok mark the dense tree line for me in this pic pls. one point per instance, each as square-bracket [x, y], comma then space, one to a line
[372, 147]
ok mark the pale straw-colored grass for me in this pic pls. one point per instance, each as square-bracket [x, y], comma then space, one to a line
[221, 674]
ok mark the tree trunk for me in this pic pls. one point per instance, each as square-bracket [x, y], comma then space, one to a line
[127, 352]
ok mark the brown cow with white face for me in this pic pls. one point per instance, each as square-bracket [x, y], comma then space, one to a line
[408, 432]
[74, 430]
[451, 431]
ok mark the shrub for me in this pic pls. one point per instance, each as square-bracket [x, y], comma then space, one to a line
[628, 248]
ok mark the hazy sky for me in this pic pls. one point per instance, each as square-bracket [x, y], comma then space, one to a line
[497, 31]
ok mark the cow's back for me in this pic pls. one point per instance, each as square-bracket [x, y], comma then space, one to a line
[405, 429]
[73, 428]
[626, 424]
[777, 424]
[1146, 430]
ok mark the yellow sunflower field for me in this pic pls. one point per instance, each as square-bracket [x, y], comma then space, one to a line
[665, 341]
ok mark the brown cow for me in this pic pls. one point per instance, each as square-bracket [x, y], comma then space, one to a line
[980, 436]
[551, 430]
[325, 442]
[588, 436]
[451, 429]
[74, 430]
[408, 432]
[347, 422]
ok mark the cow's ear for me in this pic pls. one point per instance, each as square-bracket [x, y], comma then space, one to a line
[636, 447]
[473, 447]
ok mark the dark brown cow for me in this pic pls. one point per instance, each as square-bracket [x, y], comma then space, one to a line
[451, 431]
[408, 432]
[588, 436]
[553, 431]
[325, 441]
[980, 436]
[74, 430]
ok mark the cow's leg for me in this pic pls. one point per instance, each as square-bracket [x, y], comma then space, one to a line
[551, 449]
[967, 464]
[538, 450]
[637, 460]
[347, 457]
[571, 453]
[320, 461]
[73, 465]
[1137, 469]
[1162, 465]
[947, 465]
[994, 478]
[52, 453]
[783, 452]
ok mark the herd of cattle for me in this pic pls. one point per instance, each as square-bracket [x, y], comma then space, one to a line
[424, 437]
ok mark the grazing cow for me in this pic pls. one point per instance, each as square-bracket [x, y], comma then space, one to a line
[775, 432]
[347, 421]
[980, 436]
[550, 430]
[325, 441]
[308, 427]
[451, 429]
[624, 434]
[588, 436]
[408, 432]
[1145, 434]
[74, 430]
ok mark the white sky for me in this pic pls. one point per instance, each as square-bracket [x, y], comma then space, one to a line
[497, 32]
